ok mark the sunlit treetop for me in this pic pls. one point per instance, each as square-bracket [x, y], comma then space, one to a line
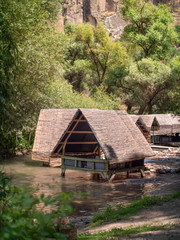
[150, 28]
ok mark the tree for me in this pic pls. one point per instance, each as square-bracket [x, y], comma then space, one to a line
[146, 82]
[99, 49]
[149, 29]
[8, 60]
[24, 27]
[174, 95]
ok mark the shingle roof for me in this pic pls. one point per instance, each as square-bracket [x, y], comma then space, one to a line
[117, 135]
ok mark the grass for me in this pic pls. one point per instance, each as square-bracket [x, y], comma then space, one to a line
[120, 212]
[121, 232]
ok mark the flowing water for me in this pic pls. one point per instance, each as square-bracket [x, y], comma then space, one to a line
[25, 172]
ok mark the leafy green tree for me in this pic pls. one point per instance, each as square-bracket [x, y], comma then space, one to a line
[149, 32]
[148, 80]
[8, 61]
[8, 57]
[173, 102]
[177, 29]
[99, 49]
[25, 28]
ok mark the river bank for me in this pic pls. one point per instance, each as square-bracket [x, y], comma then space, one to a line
[167, 215]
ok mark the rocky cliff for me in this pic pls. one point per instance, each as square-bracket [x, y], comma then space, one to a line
[94, 11]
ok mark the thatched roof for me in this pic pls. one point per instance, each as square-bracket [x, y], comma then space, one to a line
[176, 123]
[165, 123]
[134, 117]
[168, 123]
[115, 132]
[139, 120]
[51, 125]
[149, 120]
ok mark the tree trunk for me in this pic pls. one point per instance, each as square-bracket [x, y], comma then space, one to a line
[128, 104]
[141, 110]
[149, 108]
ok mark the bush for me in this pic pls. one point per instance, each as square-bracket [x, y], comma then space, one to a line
[24, 215]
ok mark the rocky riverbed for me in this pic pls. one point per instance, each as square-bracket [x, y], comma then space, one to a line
[165, 161]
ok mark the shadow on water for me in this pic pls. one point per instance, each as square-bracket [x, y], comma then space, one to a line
[25, 172]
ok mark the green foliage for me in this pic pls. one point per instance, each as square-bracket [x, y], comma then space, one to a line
[112, 214]
[177, 29]
[146, 82]
[173, 102]
[149, 28]
[8, 52]
[98, 50]
[69, 28]
[125, 231]
[24, 27]
[64, 96]
[24, 215]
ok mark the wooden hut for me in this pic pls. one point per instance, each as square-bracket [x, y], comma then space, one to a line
[175, 124]
[51, 125]
[164, 128]
[176, 130]
[169, 129]
[142, 126]
[152, 125]
[101, 141]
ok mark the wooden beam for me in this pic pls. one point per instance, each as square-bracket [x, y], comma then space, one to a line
[55, 155]
[77, 120]
[84, 159]
[70, 132]
[78, 143]
[89, 132]
[96, 148]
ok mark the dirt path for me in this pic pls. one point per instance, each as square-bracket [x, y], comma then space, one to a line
[168, 213]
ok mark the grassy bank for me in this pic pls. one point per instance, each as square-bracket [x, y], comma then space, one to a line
[120, 212]
[123, 232]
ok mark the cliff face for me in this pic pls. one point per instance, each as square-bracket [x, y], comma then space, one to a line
[94, 11]
[107, 11]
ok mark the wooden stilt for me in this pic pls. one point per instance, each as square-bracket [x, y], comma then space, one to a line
[128, 174]
[63, 172]
[112, 177]
[105, 176]
[142, 173]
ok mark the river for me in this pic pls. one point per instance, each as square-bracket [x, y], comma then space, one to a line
[25, 172]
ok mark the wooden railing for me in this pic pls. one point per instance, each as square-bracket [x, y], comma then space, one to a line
[76, 159]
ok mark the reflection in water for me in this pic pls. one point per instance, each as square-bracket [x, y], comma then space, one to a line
[25, 172]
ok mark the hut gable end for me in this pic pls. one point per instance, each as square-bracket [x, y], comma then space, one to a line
[78, 138]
